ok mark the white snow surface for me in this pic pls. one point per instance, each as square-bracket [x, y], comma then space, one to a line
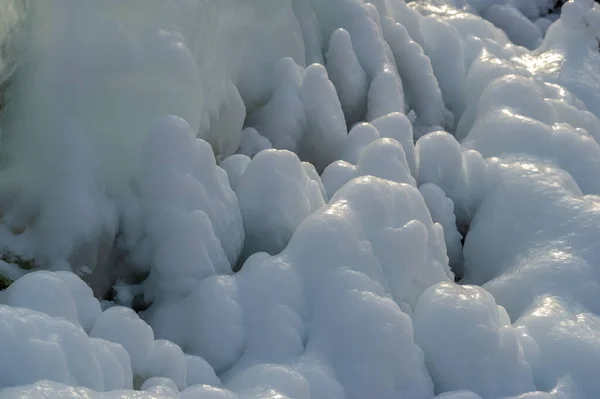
[299, 199]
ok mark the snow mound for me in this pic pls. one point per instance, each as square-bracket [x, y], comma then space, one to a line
[568, 343]
[37, 347]
[348, 277]
[383, 158]
[275, 194]
[347, 75]
[59, 294]
[190, 220]
[482, 337]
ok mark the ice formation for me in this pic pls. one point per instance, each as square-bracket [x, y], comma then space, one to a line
[299, 199]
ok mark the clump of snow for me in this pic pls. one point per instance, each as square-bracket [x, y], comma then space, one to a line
[59, 294]
[235, 166]
[367, 38]
[264, 307]
[123, 326]
[360, 136]
[164, 387]
[482, 72]
[192, 218]
[533, 257]
[442, 212]
[275, 195]
[347, 75]
[569, 52]
[383, 158]
[568, 343]
[501, 132]
[150, 358]
[199, 372]
[445, 50]
[282, 119]
[208, 322]
[225, 131]
[421, 87]
[35, 347]
[266, 380]
[326, 126]
[394, 126]
[251, 142]
[462, 175]
[304, 115]
[519, 29]
[481, 336]
[543, 24]
[385, 96]
[397, 126]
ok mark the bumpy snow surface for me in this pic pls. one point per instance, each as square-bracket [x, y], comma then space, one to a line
[300, 199]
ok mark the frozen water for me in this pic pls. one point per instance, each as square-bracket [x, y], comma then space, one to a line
[299, 199]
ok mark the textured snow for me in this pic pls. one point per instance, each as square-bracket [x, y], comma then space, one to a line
[299, 199]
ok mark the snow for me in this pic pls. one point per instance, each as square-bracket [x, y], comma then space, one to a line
[442, 212]
[415, 69]
[36, 346]
[282, 120]
[442, 44]
[182, 186]
[383, 158]
[481, 336]
[279, 176]
[518, 28]
[61, 295]
[397, 126]
[347, 75]
[325, 123]
[299, 199]
[385, 96]
[251, 143]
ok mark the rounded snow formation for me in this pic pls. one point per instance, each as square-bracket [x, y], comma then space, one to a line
[314, 199]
